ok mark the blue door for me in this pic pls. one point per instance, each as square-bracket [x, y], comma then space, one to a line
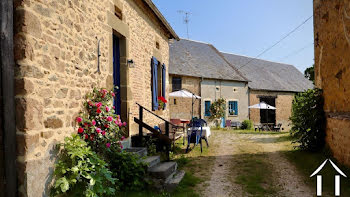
[223, 122]
[116, 74]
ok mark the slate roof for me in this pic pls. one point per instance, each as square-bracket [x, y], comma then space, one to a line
[198, 59]
[267, 75]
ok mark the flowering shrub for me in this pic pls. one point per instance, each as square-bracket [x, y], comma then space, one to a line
[80, 172]
[98, 124]
[162, 102]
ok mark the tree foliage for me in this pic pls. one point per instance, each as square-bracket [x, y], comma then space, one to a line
[217, 109]
[310, 73]
[308, 120]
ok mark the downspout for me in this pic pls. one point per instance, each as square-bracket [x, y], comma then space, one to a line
[7, 65]
[200, 94]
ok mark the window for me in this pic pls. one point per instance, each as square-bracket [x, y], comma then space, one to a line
[174, 101]
[158, 81]
[234, 90]
[118, 13]
[177, 83]
[206, 108]
[233, 108]
[217, 88]
[157, 45]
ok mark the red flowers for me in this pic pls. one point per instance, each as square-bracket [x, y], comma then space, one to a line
[79, 119]
[107, 109]
[99, 104]
[109, 119]
[98, 110]
[93, 122]
[80, 130]
[108, 145]
[162, 99]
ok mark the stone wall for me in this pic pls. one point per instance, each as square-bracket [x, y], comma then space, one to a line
[283, 106]
[183, 107]
[56, 64]
[229, 90]
[332, 47]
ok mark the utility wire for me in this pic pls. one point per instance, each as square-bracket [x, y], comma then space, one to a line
[277, 42]
[296, 52]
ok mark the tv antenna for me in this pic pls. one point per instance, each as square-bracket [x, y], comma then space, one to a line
[186, 19]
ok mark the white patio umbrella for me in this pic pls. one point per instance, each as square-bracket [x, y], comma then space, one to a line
[185, 94]
[263, 105]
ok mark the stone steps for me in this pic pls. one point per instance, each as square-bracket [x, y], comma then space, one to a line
[164, 174]
[141, 151]
[163, 170]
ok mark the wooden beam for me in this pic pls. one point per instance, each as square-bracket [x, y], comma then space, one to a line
[7, 82]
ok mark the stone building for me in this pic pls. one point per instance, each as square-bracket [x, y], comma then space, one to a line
[63, 49]
[273, 83]
[201, 69]
[332, 47]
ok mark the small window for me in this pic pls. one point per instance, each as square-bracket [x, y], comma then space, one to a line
[206, 108]
[177, 83]
[234, 90]
[233, 108]
[174, 101]
[118, 12]
[157, 45]
[217, 88]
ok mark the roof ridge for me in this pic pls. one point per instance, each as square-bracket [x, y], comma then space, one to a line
[256, 58]
[202, 42]
[232, 66]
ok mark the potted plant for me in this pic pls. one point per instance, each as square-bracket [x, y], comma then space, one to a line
[162, 102]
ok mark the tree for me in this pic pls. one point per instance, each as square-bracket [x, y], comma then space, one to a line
[310, 73]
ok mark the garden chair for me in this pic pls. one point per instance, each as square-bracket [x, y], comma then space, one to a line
[236, 124]
[228, 123]
[196, 133]
[259, 126]
[175, 132]
[277, 127]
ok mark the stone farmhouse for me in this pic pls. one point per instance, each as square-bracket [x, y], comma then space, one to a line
[200, 68]
[62, 49]
[332, 47]
[273, 83]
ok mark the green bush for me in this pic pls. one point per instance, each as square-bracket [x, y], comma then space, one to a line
[80, 172]
[308, 120]
[129, 170]
[247, 124]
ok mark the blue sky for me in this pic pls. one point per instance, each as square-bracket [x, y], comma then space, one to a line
[247, 27]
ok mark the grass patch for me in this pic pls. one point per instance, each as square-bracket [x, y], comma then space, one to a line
[307, 162]
[254, 174]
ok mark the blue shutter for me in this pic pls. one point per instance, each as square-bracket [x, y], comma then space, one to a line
[154, 65]
[163, 82]
[207, 108]
[236, 107]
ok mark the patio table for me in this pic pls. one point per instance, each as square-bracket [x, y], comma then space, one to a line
[205, 133]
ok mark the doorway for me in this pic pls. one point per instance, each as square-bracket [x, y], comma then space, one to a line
[268, 115]
[116, 74]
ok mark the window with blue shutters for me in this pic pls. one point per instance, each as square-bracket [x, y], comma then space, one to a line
[154, 72]
[164, 82]
[233, 108]
[206, 108]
